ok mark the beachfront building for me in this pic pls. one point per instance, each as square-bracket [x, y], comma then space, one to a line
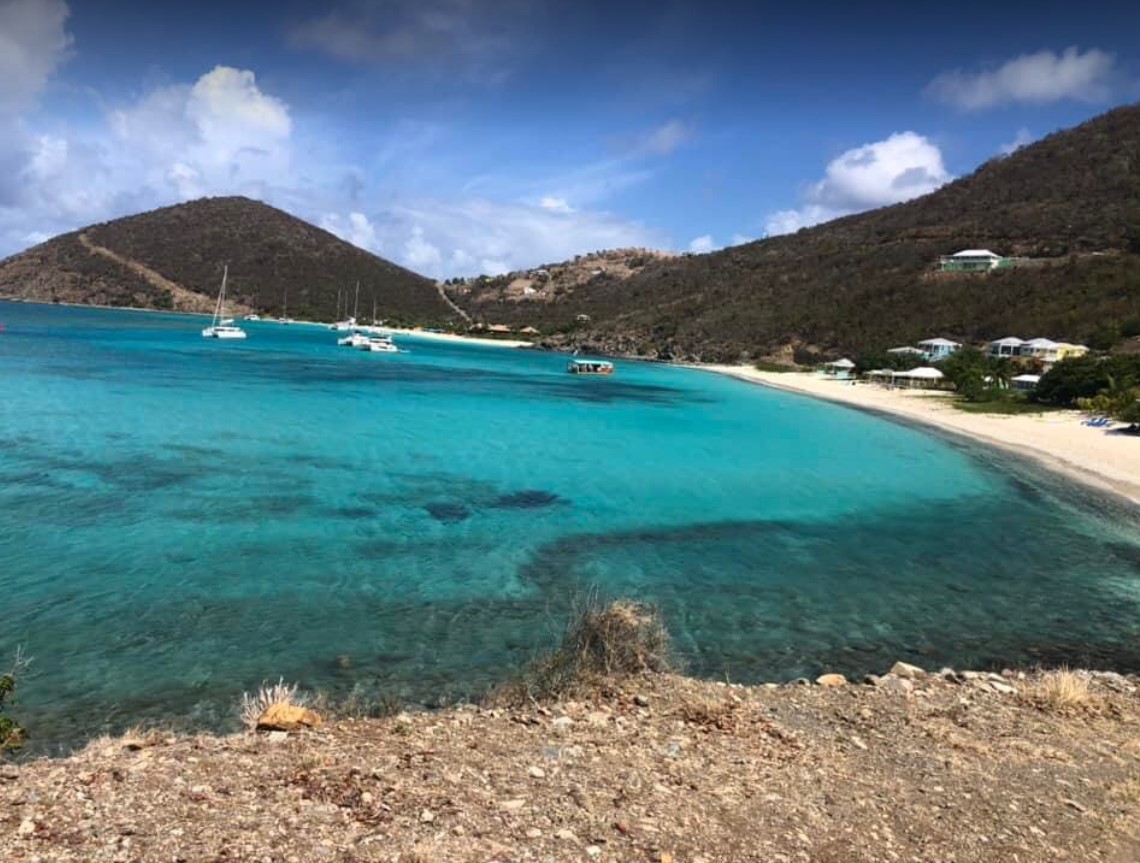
[938, 349]
[922, 378]
[840, 369]
[973, 261]
[1025, 383]
[1045, 351]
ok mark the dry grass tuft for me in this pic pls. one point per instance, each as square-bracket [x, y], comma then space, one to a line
[601, 641]
[1062, 690]
[1127, 792]
[711, 712]
[252, 706]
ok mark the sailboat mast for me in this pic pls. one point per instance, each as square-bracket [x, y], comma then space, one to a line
[220, 308]
[356, 302]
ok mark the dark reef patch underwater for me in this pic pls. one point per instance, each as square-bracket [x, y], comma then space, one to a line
[200, 517]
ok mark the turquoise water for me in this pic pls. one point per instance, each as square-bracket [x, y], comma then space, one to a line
[181, 519]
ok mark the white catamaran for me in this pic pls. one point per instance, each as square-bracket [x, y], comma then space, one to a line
[222, 327]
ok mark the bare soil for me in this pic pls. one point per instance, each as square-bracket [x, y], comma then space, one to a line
[652, 768]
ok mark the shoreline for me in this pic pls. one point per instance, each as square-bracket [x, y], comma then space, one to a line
[1055, 440]
[454, 338]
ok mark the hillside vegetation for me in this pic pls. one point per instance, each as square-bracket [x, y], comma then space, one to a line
[1070, 201]
[276, 263]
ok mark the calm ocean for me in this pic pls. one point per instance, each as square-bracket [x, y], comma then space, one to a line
[181, 519]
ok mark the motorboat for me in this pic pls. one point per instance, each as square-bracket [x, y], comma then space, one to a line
[379, 345]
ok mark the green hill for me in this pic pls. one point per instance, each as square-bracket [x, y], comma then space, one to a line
[172, 258]
[1071, 202]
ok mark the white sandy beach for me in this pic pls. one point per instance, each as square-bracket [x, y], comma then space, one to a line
[458, 339]
[1096, 457]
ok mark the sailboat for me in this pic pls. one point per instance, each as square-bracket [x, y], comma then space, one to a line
[222, 327]
[285, 319]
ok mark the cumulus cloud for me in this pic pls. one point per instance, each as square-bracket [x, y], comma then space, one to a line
[1022, 139]
[702, 244]
[33, 43]
[890, 171]
[1033, 79]
[469, 237]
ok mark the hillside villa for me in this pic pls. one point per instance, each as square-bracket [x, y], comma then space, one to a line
[929, 349]
[938, 349]
[1046, 351]
[973, 261]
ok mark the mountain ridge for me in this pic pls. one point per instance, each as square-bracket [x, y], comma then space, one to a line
[172, 257]
[867, 281]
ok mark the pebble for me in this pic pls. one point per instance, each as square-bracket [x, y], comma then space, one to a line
[907, 671]
[562, 724]
[593, 851]
[900, 685]
[533, 833]
[641, 700]
[27, 827]
[512, 805]
[1003, 688]
[537, 773]
[566, 835]
[831, 680]
[427, 816]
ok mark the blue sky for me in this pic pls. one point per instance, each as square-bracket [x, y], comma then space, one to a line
[465, 136]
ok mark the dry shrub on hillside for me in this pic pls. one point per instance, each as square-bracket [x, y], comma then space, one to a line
[601, 641]
[252, 706]
[1062, 690]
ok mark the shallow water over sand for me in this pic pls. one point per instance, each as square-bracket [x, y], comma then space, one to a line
[181, 519]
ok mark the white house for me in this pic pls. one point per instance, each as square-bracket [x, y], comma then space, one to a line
[907, 351]
[840, 369]
[1045, 350]
[1025, 383]
[1010, 346]
[938, 349]
[920, 378]
[972, 261]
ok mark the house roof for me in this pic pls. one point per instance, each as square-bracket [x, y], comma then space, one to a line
[940, 342]
[841, 364]
[904, 351]
[924, 373]
[1009, 340]
[975, 253]
[1042, 343]
[1029, 379]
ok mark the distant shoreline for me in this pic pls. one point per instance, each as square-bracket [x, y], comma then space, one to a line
[1057, 441]
[423, 334]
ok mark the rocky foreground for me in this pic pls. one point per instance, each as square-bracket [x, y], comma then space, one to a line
[909, 767]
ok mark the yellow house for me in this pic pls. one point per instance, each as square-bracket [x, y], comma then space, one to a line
[1066, 350]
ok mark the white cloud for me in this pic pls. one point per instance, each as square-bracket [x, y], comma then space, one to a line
[890, 171]
[702, 244]
[555, 204]
[666, 138]
[442, 238]
[223, 135]
[741, 239]
[1033, 79]
[1023, 138]
[33, 43]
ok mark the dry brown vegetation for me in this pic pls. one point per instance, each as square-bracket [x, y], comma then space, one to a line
[601, 642]
[1063, 690]
[649, 767]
